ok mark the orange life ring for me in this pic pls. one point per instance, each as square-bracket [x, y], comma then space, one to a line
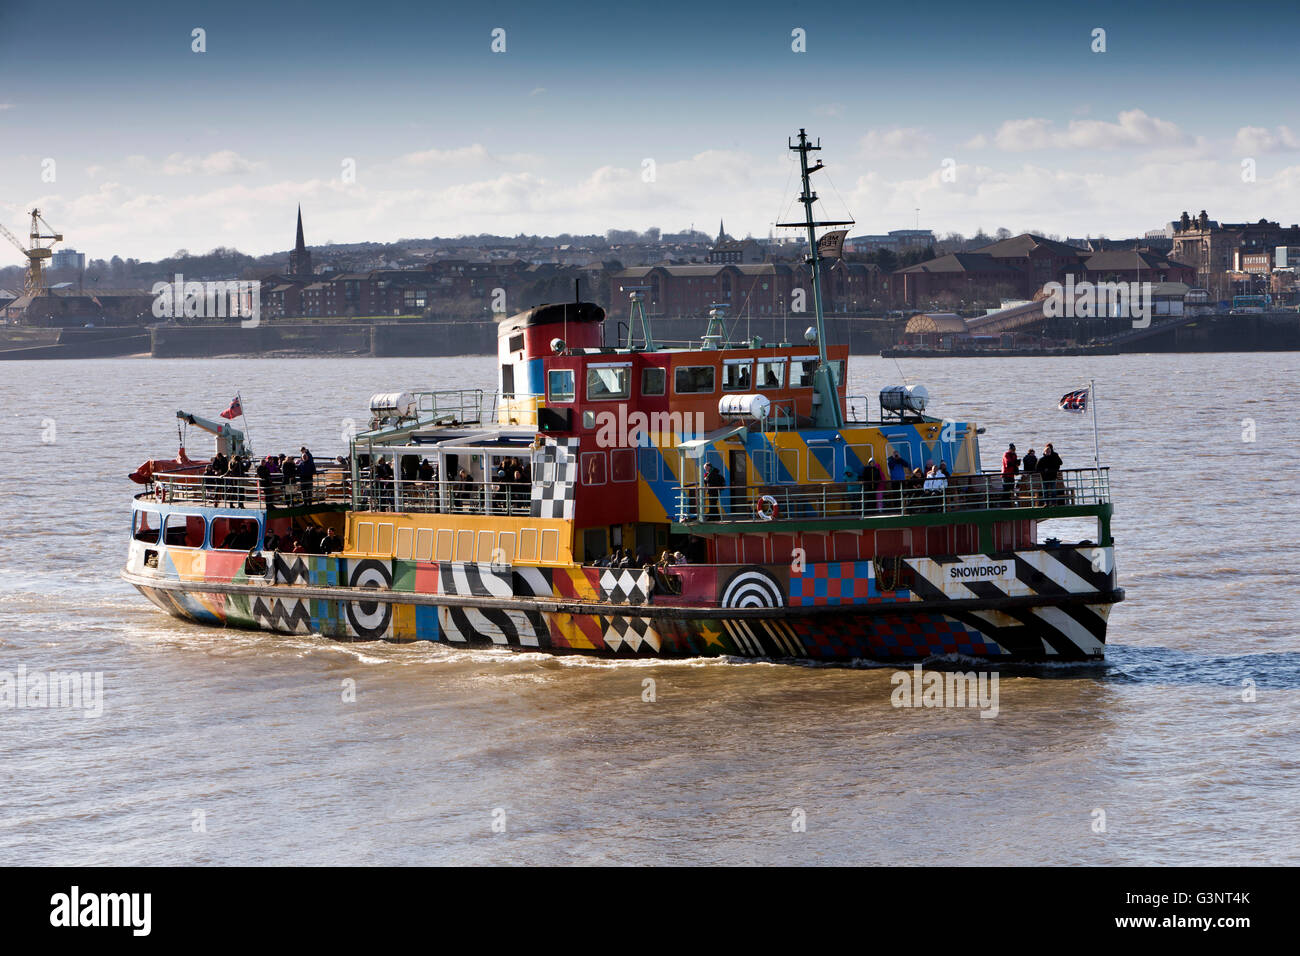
[765, 507]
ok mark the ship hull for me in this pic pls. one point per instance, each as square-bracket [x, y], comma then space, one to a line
[1025, 606]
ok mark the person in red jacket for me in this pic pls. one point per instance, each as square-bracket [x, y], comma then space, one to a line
[1010, 467]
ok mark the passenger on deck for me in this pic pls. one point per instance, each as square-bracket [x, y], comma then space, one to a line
[264, 479]
[427, 471]
[306, 473]
[1010, 466]
[331, 543]
[713, 480]
[873, 484]
[1049, 466]
[1029, 476]
[897, 470]
[288, 477]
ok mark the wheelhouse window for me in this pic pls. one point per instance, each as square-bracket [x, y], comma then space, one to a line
[608, 382]
[771, 373]
[737, 376]
[801, 371]
[559, 385]
[693, 379]
[654, 381]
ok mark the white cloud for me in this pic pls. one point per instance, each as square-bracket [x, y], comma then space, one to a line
[1251, 140]
[462, 157]
[1134, 129]
[225, 162]
[900, 141]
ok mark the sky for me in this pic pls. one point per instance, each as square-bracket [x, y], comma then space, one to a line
[390, 120]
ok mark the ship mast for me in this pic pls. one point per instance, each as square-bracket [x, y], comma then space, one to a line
[828, 413]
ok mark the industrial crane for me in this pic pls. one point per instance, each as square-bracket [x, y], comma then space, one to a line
[37, 254]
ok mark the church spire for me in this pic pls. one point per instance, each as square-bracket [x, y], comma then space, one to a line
[300, 258]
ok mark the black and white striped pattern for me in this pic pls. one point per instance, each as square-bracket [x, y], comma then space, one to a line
[467, 625]
[753, 587]
[1066, 629]
[764, 638]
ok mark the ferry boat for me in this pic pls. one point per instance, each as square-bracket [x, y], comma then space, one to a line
[638, 500]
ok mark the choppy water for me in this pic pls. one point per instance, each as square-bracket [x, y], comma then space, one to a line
[251, 729]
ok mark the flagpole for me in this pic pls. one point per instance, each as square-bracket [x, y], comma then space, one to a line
[1092, 400]
[248, 432]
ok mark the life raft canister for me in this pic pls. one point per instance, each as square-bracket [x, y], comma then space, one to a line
[765, 507]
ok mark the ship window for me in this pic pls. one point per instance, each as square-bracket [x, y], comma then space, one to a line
[801, 371]
[588, 419]
[821, 463]
[649, 463]
[560, 385]
[146, 526]
[607, 384]
[837, 371]
[771, 373]
[593, 468]
[234, 534]
[736, 376]
[184, 531]
[789, 458]
[653, 381]
[622, 464]
[857, 456]
[693, 379]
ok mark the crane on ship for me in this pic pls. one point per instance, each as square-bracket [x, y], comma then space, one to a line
[230, 440]
[37, 254]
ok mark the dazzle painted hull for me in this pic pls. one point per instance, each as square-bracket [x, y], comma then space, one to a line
[1034, 605]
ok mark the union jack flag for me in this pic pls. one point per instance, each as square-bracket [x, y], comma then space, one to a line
[234, 411]
[1076, 401]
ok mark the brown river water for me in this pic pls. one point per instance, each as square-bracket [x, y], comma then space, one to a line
[230, 747]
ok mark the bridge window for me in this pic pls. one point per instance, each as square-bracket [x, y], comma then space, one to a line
[771, 373]
[234, 534]
[736, 376]
[560, 385]
[693, 379]
[801, 371]
[606, 383]
[146, 526]
[654, 381]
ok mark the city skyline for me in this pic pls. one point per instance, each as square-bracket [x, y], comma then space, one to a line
[405, 124]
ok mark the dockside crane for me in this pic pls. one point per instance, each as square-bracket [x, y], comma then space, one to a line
[37, 254]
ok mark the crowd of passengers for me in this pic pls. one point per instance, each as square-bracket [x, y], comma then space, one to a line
[281, 478]
[508, 492]
[623, 558]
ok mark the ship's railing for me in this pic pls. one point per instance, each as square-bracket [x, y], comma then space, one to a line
[458, 404]
[450, 497]
[979, 492]
[330, 485]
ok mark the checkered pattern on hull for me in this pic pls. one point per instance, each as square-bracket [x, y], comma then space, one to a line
[839, 582]
[625, 586]
[555, 476]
